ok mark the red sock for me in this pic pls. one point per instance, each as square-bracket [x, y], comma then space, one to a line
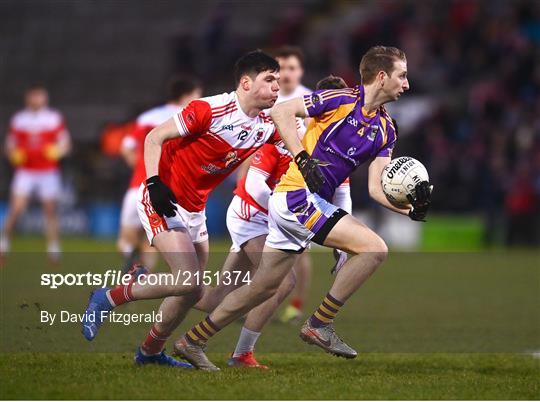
[154, 342]
[297, 302]
[121, 294]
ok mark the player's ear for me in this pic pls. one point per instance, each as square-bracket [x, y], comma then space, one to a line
[381, 78]
[245, 82]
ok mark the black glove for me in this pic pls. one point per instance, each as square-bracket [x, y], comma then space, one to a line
[420, 202]
[309, 167]
[161, 197]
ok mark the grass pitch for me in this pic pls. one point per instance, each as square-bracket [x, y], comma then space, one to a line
[292, 376]
[427, 326]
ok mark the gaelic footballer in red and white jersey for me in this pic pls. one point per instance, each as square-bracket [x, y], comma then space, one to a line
[35, 134]
[216, 136]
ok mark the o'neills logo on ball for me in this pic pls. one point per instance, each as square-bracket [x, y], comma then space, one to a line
[400, 162]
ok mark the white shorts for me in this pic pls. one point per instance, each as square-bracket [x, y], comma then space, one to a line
[129, 216]
[245, 222]
[194, 222]
[295, 217]
[47, 185]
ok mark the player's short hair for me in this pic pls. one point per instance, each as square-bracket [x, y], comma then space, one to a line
[254, 63]
[180, 85]
[290, 51]
[379, 58]
[331, 82]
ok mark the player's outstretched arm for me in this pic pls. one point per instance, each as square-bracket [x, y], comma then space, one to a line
[375, 186]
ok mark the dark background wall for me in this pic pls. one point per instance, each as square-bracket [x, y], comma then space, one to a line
[472, 115]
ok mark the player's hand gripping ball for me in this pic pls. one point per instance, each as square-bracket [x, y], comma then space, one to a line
[420, 202]
[406, 181]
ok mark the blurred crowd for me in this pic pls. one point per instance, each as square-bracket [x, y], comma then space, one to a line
[482, 143]
[474, 62]
[478, 62]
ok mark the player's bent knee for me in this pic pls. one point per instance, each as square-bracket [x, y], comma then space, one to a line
[374, 245]
[380, 251]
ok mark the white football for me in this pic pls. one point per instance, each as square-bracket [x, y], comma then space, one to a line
[400, 177]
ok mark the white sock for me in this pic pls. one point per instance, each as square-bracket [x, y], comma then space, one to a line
[127, 249]
[246, 341]
[4, 243]
[53, 247]
[54, 251]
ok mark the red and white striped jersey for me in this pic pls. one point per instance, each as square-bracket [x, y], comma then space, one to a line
[145, 123]
[32, 131]
[216, 137]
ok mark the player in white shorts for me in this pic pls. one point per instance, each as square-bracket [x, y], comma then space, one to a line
[186, 157]
[247, 222]
[181, 91]
[37, 140]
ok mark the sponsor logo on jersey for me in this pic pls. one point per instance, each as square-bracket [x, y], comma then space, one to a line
[352, 121]
[342, 156]
[257, 158]
[228, 127]
[190, 118]
[316, 99]
[212, 169]
[231, 159]
[351, 151]
[373, 133]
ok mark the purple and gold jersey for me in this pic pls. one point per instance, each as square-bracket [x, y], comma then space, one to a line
[342, 135]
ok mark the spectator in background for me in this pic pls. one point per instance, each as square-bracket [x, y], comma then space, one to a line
[36, 141]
